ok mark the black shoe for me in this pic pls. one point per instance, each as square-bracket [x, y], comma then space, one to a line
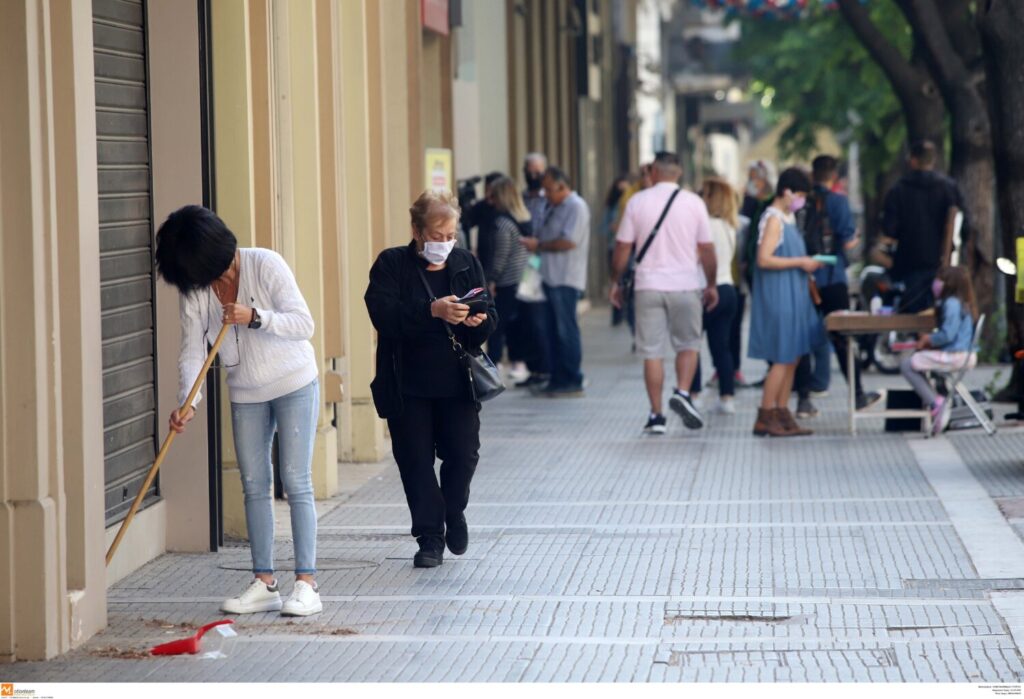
[805, 409]
[656, 424]
[456, 535]
[532, 380]
[550, 391]
[866, 400]
[684, 408]
[431, 553]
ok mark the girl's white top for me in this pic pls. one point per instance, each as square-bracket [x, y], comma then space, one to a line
[724, 237]
[261, 364]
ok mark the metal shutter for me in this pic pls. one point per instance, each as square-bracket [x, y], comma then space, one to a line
[126, 251]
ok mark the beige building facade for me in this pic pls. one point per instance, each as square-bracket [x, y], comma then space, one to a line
[305, 124]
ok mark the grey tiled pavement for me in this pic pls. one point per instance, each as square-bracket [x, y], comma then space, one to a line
[598, 554]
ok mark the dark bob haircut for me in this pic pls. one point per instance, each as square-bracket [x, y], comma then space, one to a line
[795, 180]
[194, 248]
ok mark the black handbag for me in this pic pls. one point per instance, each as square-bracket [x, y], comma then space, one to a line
[484, 378]
[628, 280]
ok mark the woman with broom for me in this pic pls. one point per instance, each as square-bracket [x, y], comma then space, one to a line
[272, 382]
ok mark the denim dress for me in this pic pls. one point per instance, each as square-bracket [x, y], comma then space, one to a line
[784, 324]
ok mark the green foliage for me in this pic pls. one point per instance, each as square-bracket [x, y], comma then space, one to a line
[817, 72]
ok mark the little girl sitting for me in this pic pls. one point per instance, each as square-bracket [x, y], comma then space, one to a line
[948, 348]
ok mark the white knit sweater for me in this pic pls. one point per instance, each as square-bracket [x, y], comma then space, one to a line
[262, 364]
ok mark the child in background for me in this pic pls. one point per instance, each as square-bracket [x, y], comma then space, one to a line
[949, 347]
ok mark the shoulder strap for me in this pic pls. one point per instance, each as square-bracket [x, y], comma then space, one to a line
[657, 226]
[430, 295]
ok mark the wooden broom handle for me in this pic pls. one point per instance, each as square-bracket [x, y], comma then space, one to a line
[166, 445]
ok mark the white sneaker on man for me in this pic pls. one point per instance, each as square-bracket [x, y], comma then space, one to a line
[726, 407]
[518, 372]
[305, 600]
[258, 597]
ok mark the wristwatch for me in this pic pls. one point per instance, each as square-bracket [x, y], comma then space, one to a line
[256, 323]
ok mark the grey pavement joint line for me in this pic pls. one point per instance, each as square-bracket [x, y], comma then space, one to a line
[646, 527]
[674, 641]
[995, 549]
[653, 503]
[602, 599]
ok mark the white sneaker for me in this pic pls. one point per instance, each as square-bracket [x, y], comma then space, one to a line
[518, 373]
[305, 600]
[726, 407]
[258, 597]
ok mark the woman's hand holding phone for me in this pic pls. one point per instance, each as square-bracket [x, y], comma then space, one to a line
[449, 309]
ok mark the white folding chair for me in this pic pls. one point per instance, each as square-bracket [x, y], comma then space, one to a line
[955, 378]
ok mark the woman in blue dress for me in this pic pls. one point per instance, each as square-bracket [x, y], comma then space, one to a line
[783, 322]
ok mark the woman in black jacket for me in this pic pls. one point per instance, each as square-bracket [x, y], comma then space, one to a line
[421, 386]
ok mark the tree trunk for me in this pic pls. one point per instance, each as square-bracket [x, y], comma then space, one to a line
[953, 52]
[1001, 24]
[919, 97]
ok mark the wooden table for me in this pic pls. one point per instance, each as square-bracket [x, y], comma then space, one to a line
[853, 323]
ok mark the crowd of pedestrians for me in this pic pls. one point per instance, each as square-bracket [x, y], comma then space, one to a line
[506, 273]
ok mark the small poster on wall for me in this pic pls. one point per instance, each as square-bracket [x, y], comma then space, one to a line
[439, 169]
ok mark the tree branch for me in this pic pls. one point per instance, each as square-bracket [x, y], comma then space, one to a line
[946, 62]
[903, 76]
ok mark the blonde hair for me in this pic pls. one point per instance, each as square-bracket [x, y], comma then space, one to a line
[433, 205]
[507, 199]
[721, 200]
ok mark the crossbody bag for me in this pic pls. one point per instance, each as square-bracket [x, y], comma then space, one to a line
[628, 281]
[484, 378]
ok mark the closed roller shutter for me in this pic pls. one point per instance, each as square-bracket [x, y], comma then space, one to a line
[126, 251]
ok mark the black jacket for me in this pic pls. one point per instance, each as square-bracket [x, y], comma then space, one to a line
[399, 309]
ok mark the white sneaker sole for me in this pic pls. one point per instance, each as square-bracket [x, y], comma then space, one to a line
[271, 605]
[292, 611]
[660, 429]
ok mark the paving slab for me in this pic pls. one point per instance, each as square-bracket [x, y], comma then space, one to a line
[599, 554]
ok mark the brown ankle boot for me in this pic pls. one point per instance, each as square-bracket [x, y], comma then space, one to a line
[765, 422]
[790, 425]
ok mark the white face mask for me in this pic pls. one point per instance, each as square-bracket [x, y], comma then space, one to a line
[437, 253]
[753, 189]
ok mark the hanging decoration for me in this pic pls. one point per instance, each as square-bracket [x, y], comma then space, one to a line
[768, 9]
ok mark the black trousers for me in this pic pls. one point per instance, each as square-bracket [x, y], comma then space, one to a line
[436, 428]
[834, 297]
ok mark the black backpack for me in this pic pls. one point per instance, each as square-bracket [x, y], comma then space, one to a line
[750, 244]
[812, 220]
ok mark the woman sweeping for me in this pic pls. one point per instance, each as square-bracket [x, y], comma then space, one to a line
[272, 382]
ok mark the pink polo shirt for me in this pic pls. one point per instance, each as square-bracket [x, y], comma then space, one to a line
[671, 263]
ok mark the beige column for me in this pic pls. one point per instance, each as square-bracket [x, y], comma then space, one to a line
[362, 433]
[235, 142]
[79, 278]
[52, 472]
[299, 167]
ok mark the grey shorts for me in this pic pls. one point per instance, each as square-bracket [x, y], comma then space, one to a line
[664, 316]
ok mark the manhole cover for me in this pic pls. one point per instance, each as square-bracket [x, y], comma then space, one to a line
[288, 564]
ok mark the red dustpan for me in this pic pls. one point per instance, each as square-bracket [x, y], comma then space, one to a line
[186, 645]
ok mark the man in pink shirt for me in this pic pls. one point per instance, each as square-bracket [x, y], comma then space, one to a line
[670, 292]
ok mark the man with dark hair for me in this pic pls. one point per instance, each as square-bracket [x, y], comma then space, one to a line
[919, 214]
[563, 239]
[829, 229]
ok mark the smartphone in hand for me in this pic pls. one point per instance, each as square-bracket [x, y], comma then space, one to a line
[476, 299]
